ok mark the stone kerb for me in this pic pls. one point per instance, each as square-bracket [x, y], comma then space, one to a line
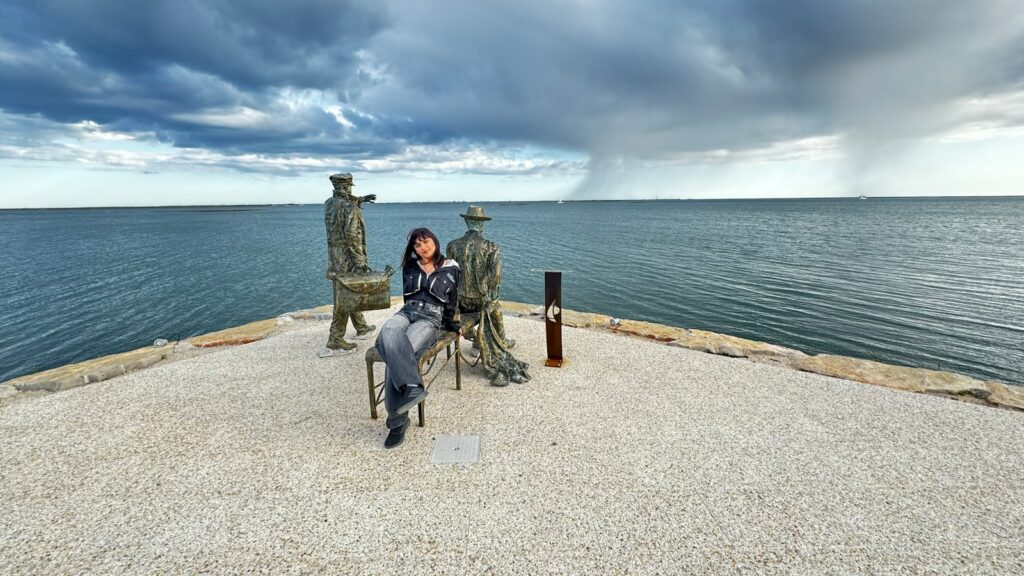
[95, 370]
[918, 380]
[106, 367]
[1003, 395]
[244, 334]
[898, 377]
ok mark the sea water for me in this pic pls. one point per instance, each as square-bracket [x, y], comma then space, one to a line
[932, 283]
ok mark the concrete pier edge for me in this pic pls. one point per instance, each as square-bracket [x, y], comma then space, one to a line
[919, 380]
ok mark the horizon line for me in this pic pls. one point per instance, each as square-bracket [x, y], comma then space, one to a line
[551, 201]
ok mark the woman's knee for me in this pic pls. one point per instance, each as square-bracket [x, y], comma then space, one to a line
[389, 334]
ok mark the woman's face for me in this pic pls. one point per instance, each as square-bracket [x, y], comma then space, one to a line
[425, 248]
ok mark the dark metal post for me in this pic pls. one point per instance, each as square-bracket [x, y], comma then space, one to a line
[553, 317]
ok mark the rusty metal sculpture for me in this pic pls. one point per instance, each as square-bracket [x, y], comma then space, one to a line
[480, 260]
[553, 317]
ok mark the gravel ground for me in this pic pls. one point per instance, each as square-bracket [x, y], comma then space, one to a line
[634, 458]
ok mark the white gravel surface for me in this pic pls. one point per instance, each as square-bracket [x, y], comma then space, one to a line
[634, 458]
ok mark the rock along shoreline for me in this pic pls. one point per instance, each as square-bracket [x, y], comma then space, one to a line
[919, 380]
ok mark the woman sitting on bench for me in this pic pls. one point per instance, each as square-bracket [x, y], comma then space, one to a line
[430, 284]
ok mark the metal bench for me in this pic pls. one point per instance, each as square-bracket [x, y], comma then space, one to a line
[445, 341]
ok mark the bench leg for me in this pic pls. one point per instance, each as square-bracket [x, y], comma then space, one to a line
[373, 396]
[423, 420]
[458, 363]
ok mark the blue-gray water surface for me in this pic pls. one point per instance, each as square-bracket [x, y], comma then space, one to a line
[934, 283]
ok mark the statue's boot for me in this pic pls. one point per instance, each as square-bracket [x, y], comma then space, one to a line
[500, 379]
[520, 377]
[364, 334]
[346, 345]
[337, 349]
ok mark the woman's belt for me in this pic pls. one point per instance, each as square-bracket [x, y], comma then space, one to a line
[426, 305]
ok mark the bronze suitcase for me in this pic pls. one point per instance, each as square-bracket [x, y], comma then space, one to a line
[366, 291]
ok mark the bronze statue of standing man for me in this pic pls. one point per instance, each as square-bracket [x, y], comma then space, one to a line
[480, 260]
[346, 254]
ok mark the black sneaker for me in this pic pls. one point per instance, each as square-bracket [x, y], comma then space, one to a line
[413, 396]
[395, 436]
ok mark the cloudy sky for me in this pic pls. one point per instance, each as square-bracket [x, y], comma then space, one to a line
[109, 102]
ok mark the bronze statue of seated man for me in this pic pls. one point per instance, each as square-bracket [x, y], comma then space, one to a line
[480, 260]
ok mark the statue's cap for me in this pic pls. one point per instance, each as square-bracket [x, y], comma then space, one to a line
[342, 178]
[475, 213]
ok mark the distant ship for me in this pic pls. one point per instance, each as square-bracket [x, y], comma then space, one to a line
[862, 197]
[560, 202]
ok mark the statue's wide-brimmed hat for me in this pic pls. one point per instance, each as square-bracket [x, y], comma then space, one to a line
[475, 213]
[343, 178]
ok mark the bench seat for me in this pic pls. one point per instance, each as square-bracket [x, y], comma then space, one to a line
[447, 341]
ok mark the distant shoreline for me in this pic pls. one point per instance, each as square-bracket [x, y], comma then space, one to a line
[227, 207]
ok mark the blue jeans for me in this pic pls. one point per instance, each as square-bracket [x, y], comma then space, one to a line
[400, 342]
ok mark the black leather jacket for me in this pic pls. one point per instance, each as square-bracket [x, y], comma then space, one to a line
[441, 288]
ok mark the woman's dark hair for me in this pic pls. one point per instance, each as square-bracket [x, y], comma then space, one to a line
[410, 255]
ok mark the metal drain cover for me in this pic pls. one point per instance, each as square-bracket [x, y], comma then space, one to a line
[456, 450]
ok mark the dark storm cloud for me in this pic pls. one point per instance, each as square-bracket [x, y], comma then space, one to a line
[147, 65]
[654, 79]
[252, 44]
